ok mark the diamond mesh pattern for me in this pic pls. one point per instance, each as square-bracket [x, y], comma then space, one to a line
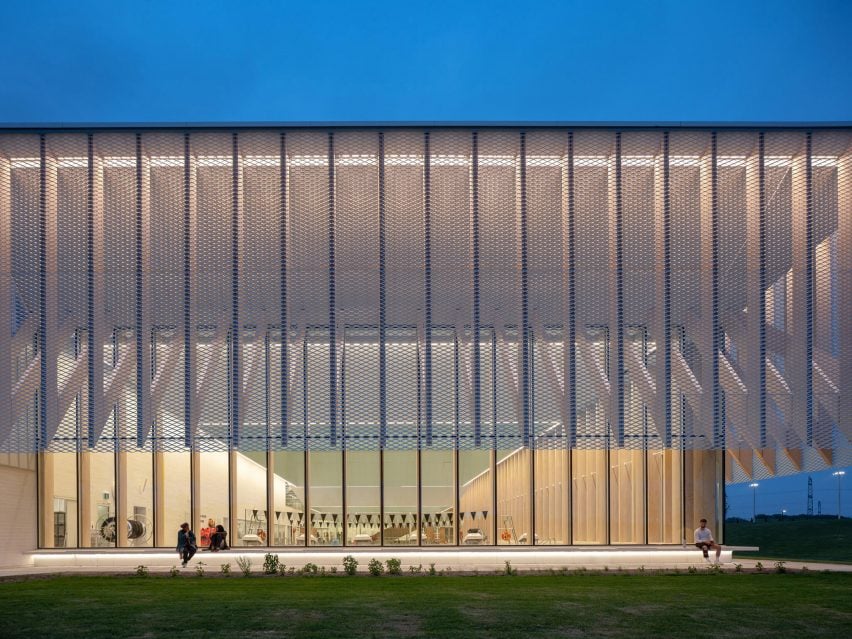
[410, 289]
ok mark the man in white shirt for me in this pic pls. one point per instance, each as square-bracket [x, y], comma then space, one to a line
[704, 540]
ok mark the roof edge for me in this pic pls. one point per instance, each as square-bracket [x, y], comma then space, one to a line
[544, 124]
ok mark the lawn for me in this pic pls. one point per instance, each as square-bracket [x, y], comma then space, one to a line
[701, 605]
[806, 539]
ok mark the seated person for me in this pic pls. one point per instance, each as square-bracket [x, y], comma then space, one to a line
[218, 540]
[704, 540]
[261, 535]
[207, 532]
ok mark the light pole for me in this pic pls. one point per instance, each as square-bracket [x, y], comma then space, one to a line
[753, 487]
[839, 474]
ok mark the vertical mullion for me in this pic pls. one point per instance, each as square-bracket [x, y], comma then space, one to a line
[97, 413]
[285, 322]
[616, 324]
[663, 307]
[570, 332]
[236, 231]
[755, 368]
[306, 461]
[427, 328]
[526, 363]
[143, 306]
[332, 301]
[477, 356]
[382, 340]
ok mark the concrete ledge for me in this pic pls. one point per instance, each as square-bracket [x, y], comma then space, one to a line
[457, 559]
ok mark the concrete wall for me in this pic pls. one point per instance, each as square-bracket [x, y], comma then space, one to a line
[18, 518]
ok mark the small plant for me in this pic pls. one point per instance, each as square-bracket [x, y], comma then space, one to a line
[141, 571]
[375, 567]
[508, 570]
[322, 571]
[270, 564]
[780, 568]
[805, 569]
[416, 570]
[199, 569]
[758, 567]
[714, 569]
[692, 570]
[282, 569]
[738, 567]
[291, 570]
[333, 570]
[641, 570]
[173, 571]
[244, 564]
[394, 566]
[310, 569]
[350, 565]
[606, 568]
[226, 569]
[432, 571]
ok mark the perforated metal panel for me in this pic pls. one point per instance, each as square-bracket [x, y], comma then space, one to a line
[491, 289]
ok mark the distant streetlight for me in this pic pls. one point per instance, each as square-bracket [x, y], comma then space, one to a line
[839, 474]
[753, 487]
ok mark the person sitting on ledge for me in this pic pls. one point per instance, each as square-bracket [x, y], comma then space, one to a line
[704, 540]
[218, 539]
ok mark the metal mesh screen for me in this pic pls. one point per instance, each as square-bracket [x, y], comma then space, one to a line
[402, 289]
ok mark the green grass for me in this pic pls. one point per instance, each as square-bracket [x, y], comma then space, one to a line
[702, 605]
[806, 539]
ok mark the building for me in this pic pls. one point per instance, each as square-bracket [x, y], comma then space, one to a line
[415, 335]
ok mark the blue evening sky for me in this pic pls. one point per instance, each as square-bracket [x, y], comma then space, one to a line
[149, 60]
[208, 61]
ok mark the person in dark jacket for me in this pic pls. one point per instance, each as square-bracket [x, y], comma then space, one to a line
[186, 545]
[218, 539]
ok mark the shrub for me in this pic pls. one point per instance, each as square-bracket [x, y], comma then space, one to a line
[226, 569]
[282, 569]
[692, 570]
[509, 571]
[270, 564]
[432, 571]
[333, 570]
[758, 567]
[199, 569]
[310, 569]
[244, 564]
[141, 571]
[416, 570]
[350, 565]
[394, 566]
[738, 567]
[375, 567]
[173, 571]
[780, 568]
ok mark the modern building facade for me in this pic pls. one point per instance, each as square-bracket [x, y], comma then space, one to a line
[410, 335]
